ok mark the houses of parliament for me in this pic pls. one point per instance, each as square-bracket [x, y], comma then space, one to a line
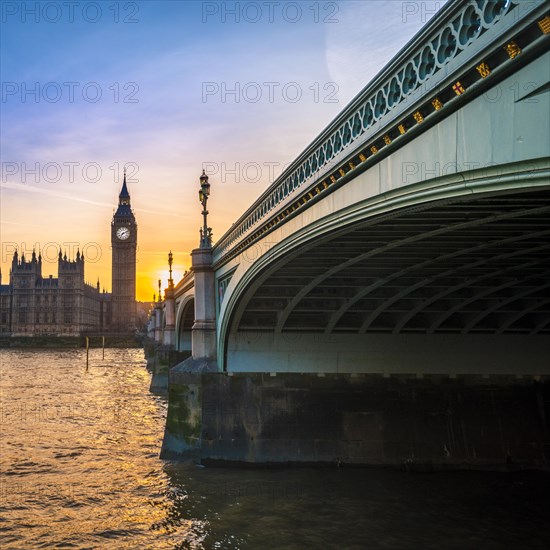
[34, 305]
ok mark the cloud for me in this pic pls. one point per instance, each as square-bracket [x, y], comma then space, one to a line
[48, 192]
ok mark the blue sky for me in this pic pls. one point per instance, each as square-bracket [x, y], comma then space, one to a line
[153, 68]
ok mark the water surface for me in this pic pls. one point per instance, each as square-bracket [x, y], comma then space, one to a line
[79, 469]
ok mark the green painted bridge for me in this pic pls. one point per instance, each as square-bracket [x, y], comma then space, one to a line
[410, 239]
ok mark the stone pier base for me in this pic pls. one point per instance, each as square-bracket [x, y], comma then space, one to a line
[433, 422]
[160, 359]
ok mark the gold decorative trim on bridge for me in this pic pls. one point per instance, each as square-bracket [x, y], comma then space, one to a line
[483, 69]
[437, 104]
[458, 88]
[544, 24]
[419, 117]
[512, 49]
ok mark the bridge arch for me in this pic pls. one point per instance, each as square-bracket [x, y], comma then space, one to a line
[185, 316]
[448, 261]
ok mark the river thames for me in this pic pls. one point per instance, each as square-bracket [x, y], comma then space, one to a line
[80, 468]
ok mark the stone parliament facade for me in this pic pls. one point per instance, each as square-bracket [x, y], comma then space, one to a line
[34, 305]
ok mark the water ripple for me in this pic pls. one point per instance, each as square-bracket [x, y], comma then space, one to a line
[79, 468]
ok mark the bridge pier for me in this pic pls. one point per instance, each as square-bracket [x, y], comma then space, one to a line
[429, 423]
[160, 348]
[204, 343]
[184, 419]
[158, 321]
[169, 336]
[160, 360]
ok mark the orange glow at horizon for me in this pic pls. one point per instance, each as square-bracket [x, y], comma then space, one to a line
[56, 220]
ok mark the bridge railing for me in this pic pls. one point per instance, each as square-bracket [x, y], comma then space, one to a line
[453, 38]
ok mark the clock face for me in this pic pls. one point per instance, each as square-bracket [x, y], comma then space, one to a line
[122, 233]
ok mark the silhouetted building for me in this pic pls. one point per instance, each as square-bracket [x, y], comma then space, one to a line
[33, 305]
[5, 307]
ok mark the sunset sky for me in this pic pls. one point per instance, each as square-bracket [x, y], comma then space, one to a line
[88, 87]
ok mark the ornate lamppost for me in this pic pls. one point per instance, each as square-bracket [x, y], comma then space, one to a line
[160, 291]
[204, 193]
[169, 308]
[170, 261]
[203, 334]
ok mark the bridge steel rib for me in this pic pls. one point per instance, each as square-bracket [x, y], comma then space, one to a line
[423, 305]
[338, 314]
[522, 313]
[450, 272]
[541, 326]
[527, 293]
[383, 307]
[417, 266]
[364, 292]
[476, 297]
[319, 279]
[408, 240]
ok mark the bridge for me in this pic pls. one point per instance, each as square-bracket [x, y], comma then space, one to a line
[405, 252]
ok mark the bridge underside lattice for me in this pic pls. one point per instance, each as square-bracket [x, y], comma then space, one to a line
[477, 265]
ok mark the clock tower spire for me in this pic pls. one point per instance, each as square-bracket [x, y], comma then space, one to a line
[124, 245]
[124, 196]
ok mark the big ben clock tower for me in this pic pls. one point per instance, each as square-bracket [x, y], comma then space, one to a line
[124, 244]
